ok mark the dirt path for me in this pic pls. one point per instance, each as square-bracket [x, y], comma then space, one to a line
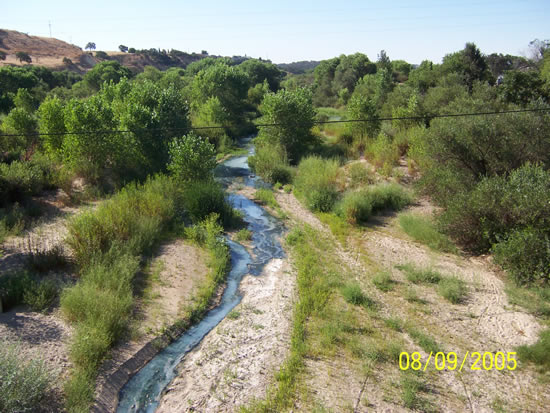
[485, 322]
[237, 360]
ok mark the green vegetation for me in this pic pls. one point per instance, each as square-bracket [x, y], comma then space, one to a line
[266, 196]
[354, 295]
[243, 235]
[538, 353]
[383, 281]
[317, 181]
[453, 289]
[24, 383]
[420, 275]
[423, 229]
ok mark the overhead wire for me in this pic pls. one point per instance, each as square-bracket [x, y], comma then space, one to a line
[265, 125]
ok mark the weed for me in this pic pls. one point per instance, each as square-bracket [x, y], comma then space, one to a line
[354, 295]
[233, 315]
[412, 297]
[287, 188]
[426, 342]
[360, 175]
[453, 289]
[277, 186]
[382, 280]
[42, 259]
[13, 287]
[41, 296]
[538, 353]
[411, 387]
[243, 235]
[394, 323]
[418, 275]
[23, 382]
[266, 197]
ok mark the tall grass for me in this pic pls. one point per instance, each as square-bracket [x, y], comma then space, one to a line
[318, 183]
[423, 230]
[23, 382]
[359, 206]
[106, 244]
[136, 216]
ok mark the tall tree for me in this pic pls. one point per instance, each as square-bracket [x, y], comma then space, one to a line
[90, 46]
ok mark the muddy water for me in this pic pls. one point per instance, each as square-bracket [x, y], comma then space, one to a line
[142, 393]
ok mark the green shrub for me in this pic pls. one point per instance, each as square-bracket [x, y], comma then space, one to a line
[287, 188]
[192, 158]
[20, 180]
[13, 287]
[41, 296]
[383, 152]
[135, 215]
[357, 207]
[422, 229]
[538, 353]
[23, 383]
[277, 186]
[79, 390]
[202, 199]
[360, 175]
[44, 260]
[354, 295]
[270, 163]
[266, 196]
[526, 256]
[244, 235]
[317, 181]
[383, 281]
[453, 289]
[420, 275]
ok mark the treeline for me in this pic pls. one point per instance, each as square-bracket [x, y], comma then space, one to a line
[490, 174]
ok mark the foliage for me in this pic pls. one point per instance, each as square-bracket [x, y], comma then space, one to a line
[538, 353]
[420, 275]
[243, 235]
[23, 57]
[136, 215]
[353, 294]
[24, 383]
[20, 180]
[13, 287]
[203, 198]
[358, 206]
[109, 71]
[424, 230]
[318, 182]
[293, 112]
[270, 163]
[359, 108]
[383, 281]
[360, 175]
[453, 289]
[90, 46]
[259, 72]
[41, 296]
[51, 122]
[521, 87]
[192, 158]
[266, 196]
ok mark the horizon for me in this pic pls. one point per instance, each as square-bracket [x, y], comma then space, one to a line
[284, 35]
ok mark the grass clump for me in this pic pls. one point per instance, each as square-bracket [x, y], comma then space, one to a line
[359, 206]
[538, 353]
[266, 196]
[411, 387]
[420, 275]
[318, 182]
[13, 287]
[452, 289]
[243, 235]
[353, 294]
[383, 281]
[24, 383]
[423, 230]
[41, 296]
[46, 259]
[287, 188]
[360, 175]
[426, 342]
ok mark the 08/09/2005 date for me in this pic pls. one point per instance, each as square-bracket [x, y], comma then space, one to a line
[450, 361]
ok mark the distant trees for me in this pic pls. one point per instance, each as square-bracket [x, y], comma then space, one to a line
[23, 57]
[67, 61]
[106, 72]
[2, 55]
[131, 50]
[123, 49]
[90, 46]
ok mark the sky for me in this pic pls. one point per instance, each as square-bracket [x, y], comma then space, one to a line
[286, 31]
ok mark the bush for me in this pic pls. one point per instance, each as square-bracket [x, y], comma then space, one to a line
[422, 229]
[383, 281]
[201, 199]
[192, 158]
[44, 260]
[499, 206]
[135, 215]
[13, 287]
[538, 353]
[20, 180]
[354, 295]
[243, 235]
[526, 256]
[266, 197]
[357, 207]
[270, 163]
[360, 175]
[317, 181]
[23, 383]
[41, 296]
[418, 275]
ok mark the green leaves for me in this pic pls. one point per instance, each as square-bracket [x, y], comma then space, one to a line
[192, 158]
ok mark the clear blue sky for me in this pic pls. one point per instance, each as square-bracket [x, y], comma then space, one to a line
[286, 31]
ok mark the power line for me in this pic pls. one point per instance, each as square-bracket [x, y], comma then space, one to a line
[266, 125]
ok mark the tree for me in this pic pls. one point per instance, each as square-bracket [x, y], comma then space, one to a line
[131, 50]
[384, 61]
[51, 122]
[90, 46]
[192, 158]
[23, 57]
[293, 112]
[259, 71]
[362, 107]
[2, 55]
[123, 49]
[521, 87]
[106, 72]
[67, 61]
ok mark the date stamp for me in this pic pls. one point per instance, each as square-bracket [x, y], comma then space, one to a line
[450, 361]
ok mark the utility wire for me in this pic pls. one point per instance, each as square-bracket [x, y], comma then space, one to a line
[266, 125]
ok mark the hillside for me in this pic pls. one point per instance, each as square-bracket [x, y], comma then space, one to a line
[50, 52]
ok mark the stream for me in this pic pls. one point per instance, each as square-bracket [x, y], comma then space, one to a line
[143, 391]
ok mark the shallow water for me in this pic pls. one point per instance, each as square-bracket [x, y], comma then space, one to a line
[142, 393]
